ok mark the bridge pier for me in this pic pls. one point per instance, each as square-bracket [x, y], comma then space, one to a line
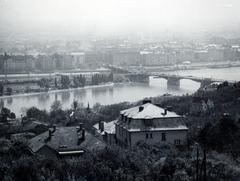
[173, 83]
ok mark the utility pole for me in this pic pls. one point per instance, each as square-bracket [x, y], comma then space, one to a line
[197, 166]
[203, 169]
[204, 166]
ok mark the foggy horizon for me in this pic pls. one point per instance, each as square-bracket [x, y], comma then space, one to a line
[111, 17]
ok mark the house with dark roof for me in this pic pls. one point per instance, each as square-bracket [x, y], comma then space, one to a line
[65, 141]
[151, 124]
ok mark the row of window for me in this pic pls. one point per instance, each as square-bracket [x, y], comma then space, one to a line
[150, 136]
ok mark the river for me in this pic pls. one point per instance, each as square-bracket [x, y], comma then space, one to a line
[116, 93]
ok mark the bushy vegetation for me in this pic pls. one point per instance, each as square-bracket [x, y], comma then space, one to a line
[6, 114]
[142, 163]
[77, 114]
[101, 78]
[216, 129]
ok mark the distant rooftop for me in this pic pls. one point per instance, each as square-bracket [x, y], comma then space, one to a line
[150, 111]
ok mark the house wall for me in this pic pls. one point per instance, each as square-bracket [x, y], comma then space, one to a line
[126, 138]
[122, 136]
[110, 139]
[171, 136]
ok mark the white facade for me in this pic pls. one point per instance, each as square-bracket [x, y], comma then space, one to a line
[150, 124]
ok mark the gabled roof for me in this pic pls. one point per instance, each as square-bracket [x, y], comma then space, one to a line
[150, 111]
[149, 117]
[65, 138]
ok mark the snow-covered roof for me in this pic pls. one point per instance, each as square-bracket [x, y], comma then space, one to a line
[149, 117]
[150, 111]
[109, 127]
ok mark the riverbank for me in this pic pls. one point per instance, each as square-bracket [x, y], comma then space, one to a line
[56, 91]
[194, 66]
[117, 93]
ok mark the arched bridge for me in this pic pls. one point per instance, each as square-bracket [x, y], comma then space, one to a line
[174, 80]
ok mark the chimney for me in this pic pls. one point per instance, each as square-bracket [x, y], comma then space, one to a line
[101, 126]
[49, 135]
[83, 134]
[165, 111]
[141, 108]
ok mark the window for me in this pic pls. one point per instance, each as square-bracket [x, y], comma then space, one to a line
[151, 135]
[163, 136]
[148, 135]
[129, 120]
[122, 117]
[177, 142]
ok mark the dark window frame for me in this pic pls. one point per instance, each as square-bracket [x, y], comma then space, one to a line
[164, 137]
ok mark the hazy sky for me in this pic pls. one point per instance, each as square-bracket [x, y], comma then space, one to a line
[119, 15]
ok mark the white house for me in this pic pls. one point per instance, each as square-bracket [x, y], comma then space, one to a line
[151, 124]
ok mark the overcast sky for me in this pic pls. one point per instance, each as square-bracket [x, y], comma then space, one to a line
[119, 15]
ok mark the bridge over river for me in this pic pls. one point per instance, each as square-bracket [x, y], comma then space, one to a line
[174, 80]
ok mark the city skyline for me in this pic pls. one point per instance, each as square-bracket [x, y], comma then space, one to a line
[111, 17]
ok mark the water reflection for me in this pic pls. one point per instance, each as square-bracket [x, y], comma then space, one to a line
[111, 91]
[9, 100]
[79, 94]
[103, 95]
[42, 98]
[100, 92]
[65, 97]
[56, 97]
